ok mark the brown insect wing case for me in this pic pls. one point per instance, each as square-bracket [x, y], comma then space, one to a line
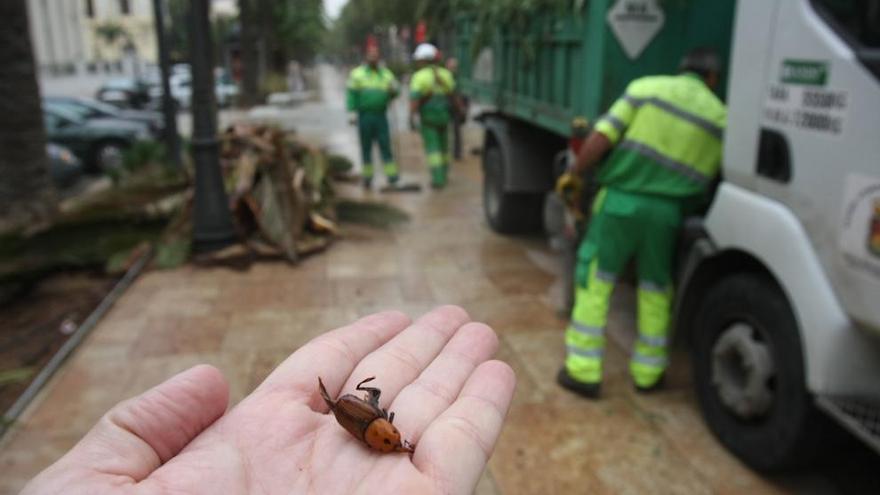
[355, 415]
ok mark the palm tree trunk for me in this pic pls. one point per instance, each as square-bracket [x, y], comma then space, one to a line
[248, 52]
[26, 193]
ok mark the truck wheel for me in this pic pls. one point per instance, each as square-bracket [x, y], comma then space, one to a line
[506, 212]
[749, 374]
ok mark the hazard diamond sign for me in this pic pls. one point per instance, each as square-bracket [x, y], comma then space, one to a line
[635, 23]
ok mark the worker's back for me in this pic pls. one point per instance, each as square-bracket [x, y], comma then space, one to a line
[435, 84]
[668, 133]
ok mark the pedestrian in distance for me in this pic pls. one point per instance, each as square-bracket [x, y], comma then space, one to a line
[371, 88]
[431, 88]
[663, 138]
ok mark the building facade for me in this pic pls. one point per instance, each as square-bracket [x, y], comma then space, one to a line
[71, 36]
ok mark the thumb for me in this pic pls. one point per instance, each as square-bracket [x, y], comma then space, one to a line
[140, 434]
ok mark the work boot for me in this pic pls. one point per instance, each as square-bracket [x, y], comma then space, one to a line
[587, 390]
[658, 385]
[368, 182]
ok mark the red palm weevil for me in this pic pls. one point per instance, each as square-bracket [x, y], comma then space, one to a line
[364, 419]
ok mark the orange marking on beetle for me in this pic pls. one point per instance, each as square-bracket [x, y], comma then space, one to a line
[365, 420]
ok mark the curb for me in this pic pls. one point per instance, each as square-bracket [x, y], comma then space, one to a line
[12, 414]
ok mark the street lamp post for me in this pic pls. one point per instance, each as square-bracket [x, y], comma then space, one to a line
[171, 138]
[212, 220]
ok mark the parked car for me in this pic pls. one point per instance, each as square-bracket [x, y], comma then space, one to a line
[98, 142]
[92, 109]
[225, 89]
[124, 92]
[64, 167]
[181, 69]
[181, 89]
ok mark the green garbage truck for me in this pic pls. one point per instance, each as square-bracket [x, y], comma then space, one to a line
[778, 282]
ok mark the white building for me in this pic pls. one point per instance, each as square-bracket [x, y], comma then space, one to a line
[67, 34]
[58, 34]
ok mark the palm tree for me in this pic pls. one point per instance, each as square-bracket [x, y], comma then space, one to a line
[26, 193]
[249, 38]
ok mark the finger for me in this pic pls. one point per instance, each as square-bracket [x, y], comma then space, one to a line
[455, 448]
[140, 434]
[420, 402]
[332, 356]
[402, 359]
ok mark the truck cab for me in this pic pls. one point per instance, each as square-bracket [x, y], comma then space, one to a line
[778, 284]
[780, 294]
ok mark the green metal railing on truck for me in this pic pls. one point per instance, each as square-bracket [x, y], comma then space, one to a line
[557, 65]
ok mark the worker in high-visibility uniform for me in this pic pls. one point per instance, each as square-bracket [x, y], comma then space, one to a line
[430, 89]
[664, 138]
[371, 88]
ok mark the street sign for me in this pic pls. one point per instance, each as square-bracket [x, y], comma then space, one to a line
[635, 23]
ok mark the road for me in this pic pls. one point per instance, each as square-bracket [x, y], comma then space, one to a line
[247, 322]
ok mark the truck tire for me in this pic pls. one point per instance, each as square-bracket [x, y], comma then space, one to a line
[507, 212]
[749, 374]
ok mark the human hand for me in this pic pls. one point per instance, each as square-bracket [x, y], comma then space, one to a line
[352, 118]
[435, 374]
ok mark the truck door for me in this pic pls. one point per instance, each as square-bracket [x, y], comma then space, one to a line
[819, 150]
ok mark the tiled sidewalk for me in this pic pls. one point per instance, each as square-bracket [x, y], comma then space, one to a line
[246, 322]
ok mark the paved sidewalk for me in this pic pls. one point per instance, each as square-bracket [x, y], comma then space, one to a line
[245, 323]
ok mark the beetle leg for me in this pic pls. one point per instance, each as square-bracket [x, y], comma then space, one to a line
[390, 416]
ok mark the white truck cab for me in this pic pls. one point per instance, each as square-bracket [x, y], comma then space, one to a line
[781, 292]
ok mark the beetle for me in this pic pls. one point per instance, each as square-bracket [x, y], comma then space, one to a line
[364, 419]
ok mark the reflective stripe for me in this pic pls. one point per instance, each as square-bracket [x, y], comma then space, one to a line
[651, 287]
[698, 121]
[586, 353]
[675, 166]
[652, 341]
[614, 121]
[587, 329]
[435, 159]
[635, 102]
[707, 125]
[658, 361]
[606, 276]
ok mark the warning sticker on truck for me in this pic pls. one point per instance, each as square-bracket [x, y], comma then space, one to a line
[821, 110]
[635, 23]
[860, 225]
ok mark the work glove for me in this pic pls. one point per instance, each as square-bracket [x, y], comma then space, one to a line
[569, 187]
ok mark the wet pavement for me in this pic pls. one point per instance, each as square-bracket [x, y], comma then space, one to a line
[245, 323]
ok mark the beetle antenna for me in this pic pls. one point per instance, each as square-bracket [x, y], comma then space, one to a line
[364, 381]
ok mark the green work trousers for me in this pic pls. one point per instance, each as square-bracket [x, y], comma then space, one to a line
[372, 128]
[436, 140]
[624, 225]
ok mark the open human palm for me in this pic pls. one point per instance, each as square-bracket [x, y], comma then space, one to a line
[450, 400]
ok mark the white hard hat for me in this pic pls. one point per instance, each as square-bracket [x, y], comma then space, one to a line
[425, 51]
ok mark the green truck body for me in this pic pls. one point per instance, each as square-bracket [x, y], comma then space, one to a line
[569, 63]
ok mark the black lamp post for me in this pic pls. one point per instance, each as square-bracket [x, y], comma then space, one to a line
[212, 220]
[171, 138]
